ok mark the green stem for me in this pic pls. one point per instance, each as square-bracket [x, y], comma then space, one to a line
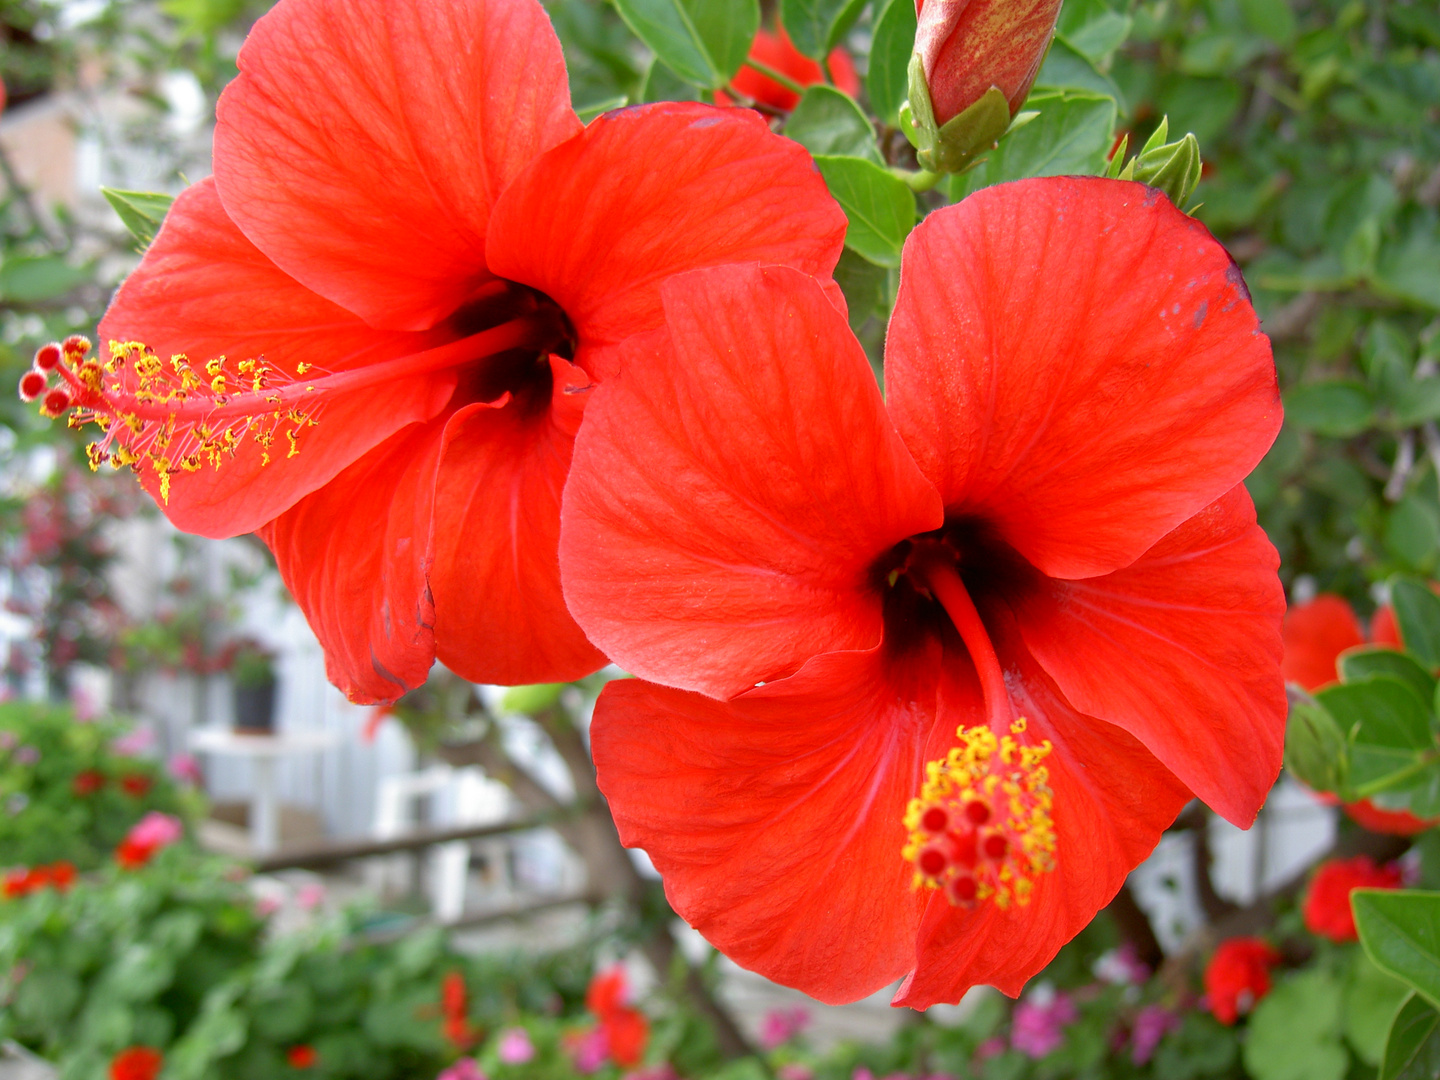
[775, 76]
[922, 180]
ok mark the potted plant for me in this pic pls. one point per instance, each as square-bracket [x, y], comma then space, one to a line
[252, 674]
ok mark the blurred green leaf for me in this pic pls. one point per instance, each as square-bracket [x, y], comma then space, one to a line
[662, 84]
[1412, 1050]
[40, 278]
[1388, 730]
[1271, 19]
[829, 122]
[1294, 1033]
[880, 207]
[1337, 407]
[703, 41]
[1400, 931]
[1366, 661]
[1314, 747]
[888, 80]
[1066, 68]
[1372, 998]
[815, 26]
[1417, 610]
[1412, 532]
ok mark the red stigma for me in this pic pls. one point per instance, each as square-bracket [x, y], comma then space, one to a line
[932, 862]
[977, 812]
[75, 346]
[995, 846]
[935, 820]
[32, 385]
[56, 402]
[47, 357]
[963, 890]
[964, 848]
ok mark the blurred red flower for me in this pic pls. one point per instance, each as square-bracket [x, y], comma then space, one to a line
[87, 782]
[776, 51]
[136, 1063]
[302, 1057]
[1327, 903]
[1238, 976]
[136, 785]
[431, 261]
[903, 603]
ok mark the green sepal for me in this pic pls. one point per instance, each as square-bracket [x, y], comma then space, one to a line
[1174, 168]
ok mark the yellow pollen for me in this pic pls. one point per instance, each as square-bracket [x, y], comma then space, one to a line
[981, 828]
[170, 415]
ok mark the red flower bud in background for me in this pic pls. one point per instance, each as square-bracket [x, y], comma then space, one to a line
[1327, 904]
[967, 46]
[136, 1063]
[1238, 977]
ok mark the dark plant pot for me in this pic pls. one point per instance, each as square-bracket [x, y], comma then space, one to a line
[255, 709]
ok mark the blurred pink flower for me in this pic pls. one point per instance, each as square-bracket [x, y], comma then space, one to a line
[27, 755]
[1121, 966]
[265, 906]
[782, 1025]
[134, 742]
[185, 768]
[311, 895]
[1039, 1021]
[8, 739]
[589, 1050]
[84, 705]
[795, 1071]
[1152, 1024]
[991, 1047]
[156, 830]
[515, 1046]
[663, 1071]
[464, 1069]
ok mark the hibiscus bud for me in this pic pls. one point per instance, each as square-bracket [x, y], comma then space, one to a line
[973, 65]
[1174, 167]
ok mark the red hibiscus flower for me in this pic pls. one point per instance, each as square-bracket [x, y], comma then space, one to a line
[302, 1057]
[410, 263]
[136, 1063]
[1315, 634]
[623, 1029]
[1327, 903]
[777, 52]
[1238, 977]
[966, 574]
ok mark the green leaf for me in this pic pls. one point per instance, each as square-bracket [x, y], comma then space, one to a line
[1401, 934]
[879, 206]
[815, 26]
[532, 699]
[37, 279]
[1417, 610]
[1071, 135]
[662, 84]
[1098, 38]
[1372, 998]
[1066, 68]
[1314, 747]
[1410, 269]
[142, 212]
[827, 121]
[1412, 532]
[1337, 407]
[1294, 1032]
[1365, 661]
[888, 79]
[863, 284]
[1388, 729]
[1412, 1051]
[1271, 19]
[703, 41]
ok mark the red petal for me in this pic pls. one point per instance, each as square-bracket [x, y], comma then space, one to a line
[727, 504]
[1315, 635]
[1077, 362]
[206, 291]
[776, 819]
[364, 143]
[598, 223]
[500, 617]
[1112, 802]
[1385, 628]
[1182, 650]
[354, 555]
